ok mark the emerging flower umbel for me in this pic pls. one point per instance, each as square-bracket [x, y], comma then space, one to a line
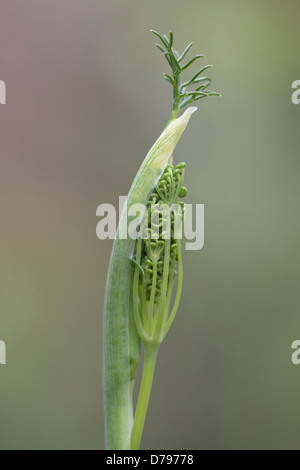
[142, 271]
[156, 257]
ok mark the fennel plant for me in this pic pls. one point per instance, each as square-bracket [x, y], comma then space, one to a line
[142, 270]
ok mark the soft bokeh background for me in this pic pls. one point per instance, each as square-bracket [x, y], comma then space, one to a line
[85, 101]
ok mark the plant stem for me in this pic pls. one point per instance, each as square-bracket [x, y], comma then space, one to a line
[173, 115]
[150, 354]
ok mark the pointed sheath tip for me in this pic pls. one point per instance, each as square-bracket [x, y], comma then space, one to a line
[189, 111]
[183, 119]
[192, 109]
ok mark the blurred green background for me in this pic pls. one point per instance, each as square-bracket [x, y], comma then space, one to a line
[85, 102]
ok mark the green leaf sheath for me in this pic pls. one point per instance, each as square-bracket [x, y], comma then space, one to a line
[121, 341]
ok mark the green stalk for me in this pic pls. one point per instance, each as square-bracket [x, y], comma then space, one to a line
[144, 395]
[120, 348]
